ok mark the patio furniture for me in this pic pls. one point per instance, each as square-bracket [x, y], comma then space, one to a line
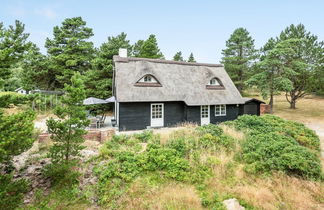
[93, 122]
[101, 120]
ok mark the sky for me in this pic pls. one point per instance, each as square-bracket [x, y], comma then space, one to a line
[201, 27]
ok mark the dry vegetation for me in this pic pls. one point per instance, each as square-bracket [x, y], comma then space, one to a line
[278, 191]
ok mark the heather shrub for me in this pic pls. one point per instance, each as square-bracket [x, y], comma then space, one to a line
[255, 125]
[210, 129]
[273, 151]
[277, 144]
[212, 136]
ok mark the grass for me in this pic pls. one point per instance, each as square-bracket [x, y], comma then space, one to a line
[228, 180]
[309, 109]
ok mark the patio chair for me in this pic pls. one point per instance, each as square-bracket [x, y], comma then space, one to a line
[93, 121]
[101, 120]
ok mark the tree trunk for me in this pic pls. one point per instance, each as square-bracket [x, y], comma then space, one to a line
[293, 103]
[271, 103]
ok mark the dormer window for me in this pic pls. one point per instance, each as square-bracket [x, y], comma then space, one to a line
[148, 81]
[215, 83]
[148, 78]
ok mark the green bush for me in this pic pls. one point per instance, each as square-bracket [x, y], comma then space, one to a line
[126, 163]
[210, 129]
[212, 136]
[277, 144]
[268, 123]
[182, 145]
[144, 136]
[273, 151]
[17, 134]
[12, 98]
[11, 192]
[63, 174]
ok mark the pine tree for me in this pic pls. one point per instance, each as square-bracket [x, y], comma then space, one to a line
[67, 132]
[270, 75]
[13, 45]
[238, 56]
[178, 56]
[99, 79]
[309, 51]
[16, 134]
[191, 58]
[69, 51]
[136, 48]
[148, 48]
[35, 73]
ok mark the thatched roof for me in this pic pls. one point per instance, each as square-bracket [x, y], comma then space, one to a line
[180, 81]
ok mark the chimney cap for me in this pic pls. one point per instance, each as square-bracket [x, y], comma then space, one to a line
[122, 52]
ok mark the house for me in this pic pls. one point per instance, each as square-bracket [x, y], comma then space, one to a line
[22, 91]
[162, 93]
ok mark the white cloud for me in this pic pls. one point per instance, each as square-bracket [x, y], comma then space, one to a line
[46, 12]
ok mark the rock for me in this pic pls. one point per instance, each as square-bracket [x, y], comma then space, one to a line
[19, 161]
[33, 170]
[45, 161]
[232, 204]
[87, 154]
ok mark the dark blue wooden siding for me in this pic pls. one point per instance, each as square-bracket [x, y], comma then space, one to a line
[232, 112]
[137, 115]
[134, 116]
[174, 113]
[193, 114]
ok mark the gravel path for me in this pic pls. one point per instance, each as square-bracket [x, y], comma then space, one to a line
[319, 129]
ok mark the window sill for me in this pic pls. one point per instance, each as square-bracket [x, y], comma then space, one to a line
[147, 84]
[215, 87]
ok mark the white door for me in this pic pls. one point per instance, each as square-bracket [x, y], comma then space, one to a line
[157, 115]
[204, 115]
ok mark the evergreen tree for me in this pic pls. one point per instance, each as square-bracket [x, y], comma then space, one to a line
[69, 51]
[319, 74]
[13, 45]
[35, 73]
[191, 58]
[67, 132]
[99, 79]
[238, 56]
[16, 134]
[148, 48]
[136, 48]
[309, 52]
[271, 75]
[178, 56]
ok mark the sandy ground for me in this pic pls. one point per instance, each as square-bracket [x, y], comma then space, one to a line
[310, 112]
[319, 129]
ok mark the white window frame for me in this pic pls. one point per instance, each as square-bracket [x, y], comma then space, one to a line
[220, 110]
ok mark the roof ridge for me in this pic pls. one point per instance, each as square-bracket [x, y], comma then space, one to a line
[117, 58]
